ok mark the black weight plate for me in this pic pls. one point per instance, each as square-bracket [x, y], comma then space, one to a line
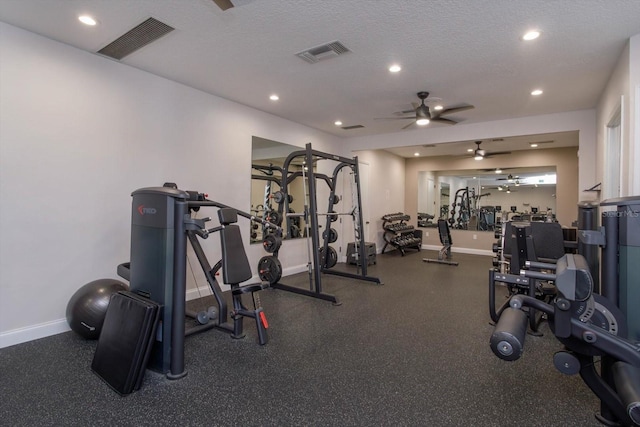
[278, 196]
[269, 269]
[333, 218]
[332, 260]
[271, 243]
[274, 217]
[333, 235]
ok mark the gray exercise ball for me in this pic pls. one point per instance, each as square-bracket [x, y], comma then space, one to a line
[88, 306]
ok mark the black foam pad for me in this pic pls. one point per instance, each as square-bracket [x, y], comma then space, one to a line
[235, 265]
[227, 216]
[548, 240]
[125, 342]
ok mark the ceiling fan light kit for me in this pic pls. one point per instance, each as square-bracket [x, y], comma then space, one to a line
[422, 115]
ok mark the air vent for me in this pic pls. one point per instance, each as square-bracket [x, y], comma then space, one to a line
[322, 52]
[352, 127]
[136, 38]
[429, 145]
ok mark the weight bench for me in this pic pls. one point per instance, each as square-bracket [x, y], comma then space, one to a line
[444, 256]
[235, 270]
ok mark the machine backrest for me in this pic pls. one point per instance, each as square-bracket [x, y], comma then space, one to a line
[548, 240]
[235, 264]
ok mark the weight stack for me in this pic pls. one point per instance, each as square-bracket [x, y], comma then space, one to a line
[370, 251]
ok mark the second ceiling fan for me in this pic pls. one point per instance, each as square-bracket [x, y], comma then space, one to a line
[422, 114]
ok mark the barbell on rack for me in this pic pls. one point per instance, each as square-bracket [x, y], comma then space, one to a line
[333, 215]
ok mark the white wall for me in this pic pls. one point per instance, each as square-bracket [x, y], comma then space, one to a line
[622, 90]
[386, 189]
[634, 114]
[79, 133]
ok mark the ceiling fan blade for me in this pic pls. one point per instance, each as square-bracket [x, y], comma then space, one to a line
[223, 4]
[455, 110]
[393, 118]
[409, 125]
[443, 120]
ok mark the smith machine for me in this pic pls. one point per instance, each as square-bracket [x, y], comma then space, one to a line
[323, 257]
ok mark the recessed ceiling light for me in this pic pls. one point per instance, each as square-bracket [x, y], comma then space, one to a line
[536, 92]
[531, 35]
[533, 145]
[416, 154]
[337, 123]
[438, 107]
[498, 170]
[274, 97]
[395, 68]
[87, 20]
[469, 150]
[422, 122]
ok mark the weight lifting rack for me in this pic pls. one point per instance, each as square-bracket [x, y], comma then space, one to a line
[319, 263]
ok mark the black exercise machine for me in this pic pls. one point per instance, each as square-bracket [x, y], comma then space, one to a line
[444, 256]
[161, 226]
[590, 325]
[526, 244]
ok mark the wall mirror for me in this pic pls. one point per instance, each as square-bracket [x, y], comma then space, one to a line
[479, 199]
[267, 159]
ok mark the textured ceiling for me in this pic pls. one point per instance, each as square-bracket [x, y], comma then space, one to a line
[462, 51]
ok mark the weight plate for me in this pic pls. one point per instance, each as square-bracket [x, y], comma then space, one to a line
[333, 218]
[274, 217]
[271, 243]
[269, 269]
[278, 196]
[333, 235]
[331, 261]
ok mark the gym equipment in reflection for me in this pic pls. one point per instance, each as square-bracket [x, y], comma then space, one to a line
[467, 214]
[444, 255]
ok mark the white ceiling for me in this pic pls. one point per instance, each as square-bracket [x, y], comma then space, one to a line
[462, 51]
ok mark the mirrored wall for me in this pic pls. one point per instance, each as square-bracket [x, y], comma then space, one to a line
[479, 199]
[267, 160]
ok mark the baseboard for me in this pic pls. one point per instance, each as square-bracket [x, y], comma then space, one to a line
[30, 333]
[454, 249]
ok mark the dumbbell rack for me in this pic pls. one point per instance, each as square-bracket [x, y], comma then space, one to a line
[398, 234]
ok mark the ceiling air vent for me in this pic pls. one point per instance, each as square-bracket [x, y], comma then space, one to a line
[352, 127]
[325, 51]
[140, 36]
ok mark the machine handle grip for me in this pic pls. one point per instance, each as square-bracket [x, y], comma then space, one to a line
[507, 340]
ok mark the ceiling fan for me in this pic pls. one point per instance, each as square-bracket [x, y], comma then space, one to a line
[422, 115]
[480, 154]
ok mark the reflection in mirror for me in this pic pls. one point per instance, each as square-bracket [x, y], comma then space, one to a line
[480, 199]
[267, 159]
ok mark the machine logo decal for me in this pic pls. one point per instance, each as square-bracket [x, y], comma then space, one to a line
[146, 211]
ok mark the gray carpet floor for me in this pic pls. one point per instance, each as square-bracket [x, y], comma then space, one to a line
[412, 352]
